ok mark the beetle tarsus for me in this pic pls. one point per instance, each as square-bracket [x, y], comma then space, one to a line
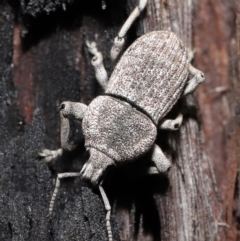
[108, 209]
[56, 190]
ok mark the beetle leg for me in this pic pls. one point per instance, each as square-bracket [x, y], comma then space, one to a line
[159, 159]
[190, 55]
[167, 124]
[152, 171]
[108, 209]
[97, 63]
[95, 167]
[57, 186]
[198, 77]
[67, 108]
[120, 39]
[49, 155]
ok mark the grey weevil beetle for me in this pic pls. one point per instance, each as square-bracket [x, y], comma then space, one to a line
[121, 125]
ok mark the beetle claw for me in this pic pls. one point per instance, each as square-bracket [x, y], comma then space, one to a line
[49, 155]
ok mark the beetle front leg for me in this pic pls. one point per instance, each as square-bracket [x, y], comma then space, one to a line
[198, 78]
[67, 108]
[57, 186]
[119, 40]
[97, 63]
[167, 124]
[159, 159]
[108, 209]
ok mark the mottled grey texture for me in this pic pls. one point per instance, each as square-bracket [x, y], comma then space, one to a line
[117, 129]
[152, 73]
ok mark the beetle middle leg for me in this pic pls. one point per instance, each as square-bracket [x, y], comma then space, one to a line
[167, 124]
[159, 159]
[67, 108]
[198, 78]
[120, 39]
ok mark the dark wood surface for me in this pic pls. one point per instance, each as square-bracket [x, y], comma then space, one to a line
[44, 61]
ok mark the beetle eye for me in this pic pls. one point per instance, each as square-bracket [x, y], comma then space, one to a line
[62, 106]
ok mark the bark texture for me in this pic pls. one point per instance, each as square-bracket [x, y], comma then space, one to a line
[44, 61]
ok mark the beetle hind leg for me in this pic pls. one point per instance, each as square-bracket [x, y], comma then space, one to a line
[160, 161]
[120, 39]
[97, 63]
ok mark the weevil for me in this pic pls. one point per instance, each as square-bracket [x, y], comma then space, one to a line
[121, 125]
